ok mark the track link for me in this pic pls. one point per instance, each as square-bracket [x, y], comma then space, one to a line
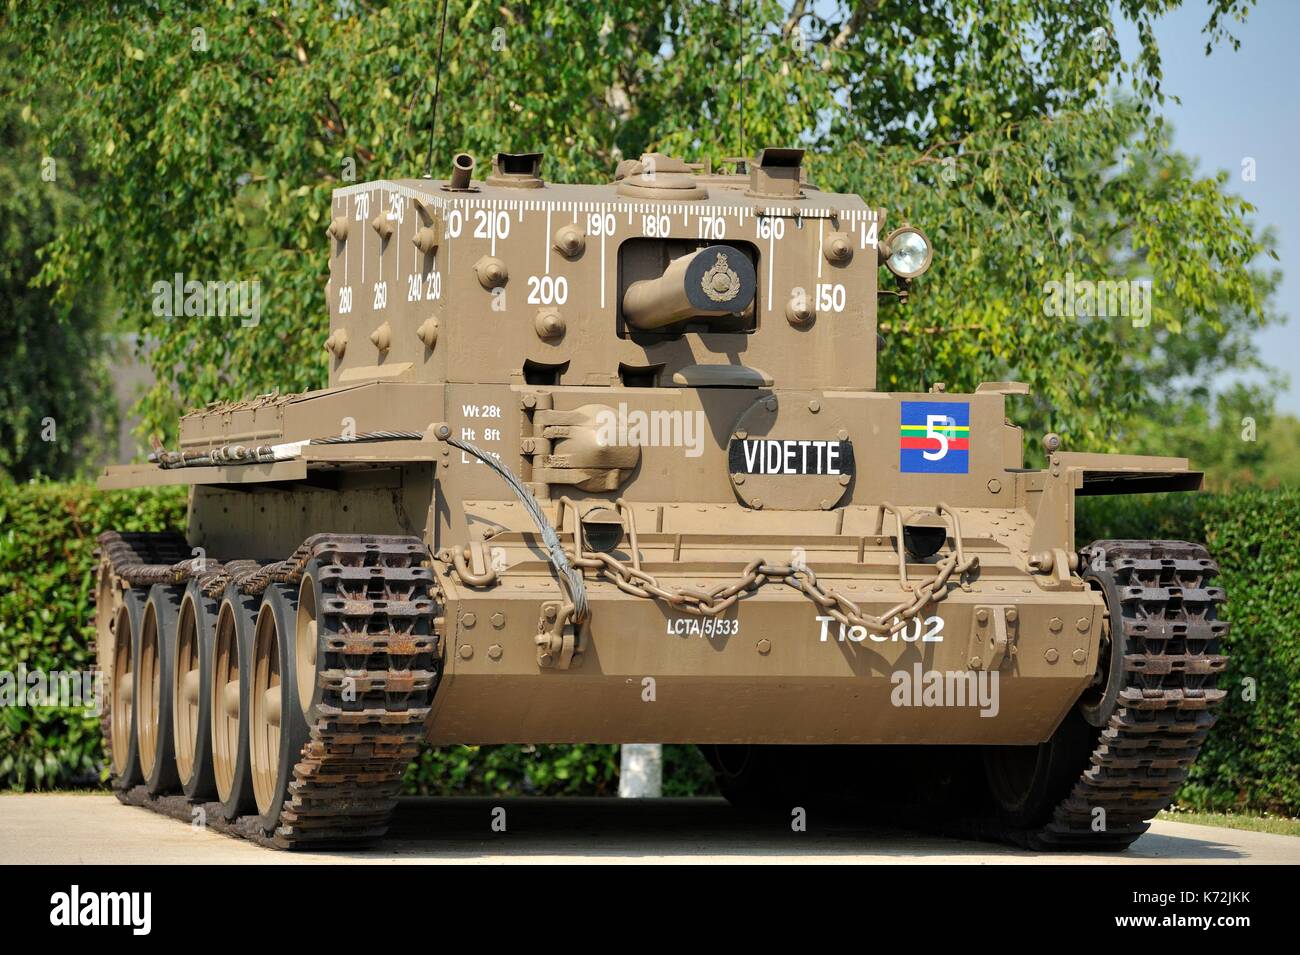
[376, 680]
[1170, 634]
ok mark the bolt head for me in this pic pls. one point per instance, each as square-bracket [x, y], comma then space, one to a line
[466, 651]
[468, 620]
[1051, 656]
[498, 620]
[494, 651]
[1082, 624]
[1078, 656]
[1055, 625]
[764, 646]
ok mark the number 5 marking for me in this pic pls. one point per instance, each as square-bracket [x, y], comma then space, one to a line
[932, 432]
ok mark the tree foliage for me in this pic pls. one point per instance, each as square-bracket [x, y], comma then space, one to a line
[53, 383]
[1014, 131]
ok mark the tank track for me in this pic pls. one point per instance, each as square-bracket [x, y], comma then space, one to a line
[380, 669]
[128, 551]
[1168, 700]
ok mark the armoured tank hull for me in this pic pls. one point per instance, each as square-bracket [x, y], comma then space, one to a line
[522, 513]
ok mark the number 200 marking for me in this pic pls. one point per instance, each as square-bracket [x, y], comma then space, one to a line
[544, 290]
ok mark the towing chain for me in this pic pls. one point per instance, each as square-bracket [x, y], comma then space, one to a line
[379, 668]
[758, 572]
[1169, 633]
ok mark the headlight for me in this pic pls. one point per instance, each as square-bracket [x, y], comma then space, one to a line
[909, 252]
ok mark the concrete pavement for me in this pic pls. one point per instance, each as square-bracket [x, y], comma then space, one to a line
[75, 828]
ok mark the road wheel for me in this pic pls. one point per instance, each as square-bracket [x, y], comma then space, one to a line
[1099, 700]
[277, 729]
[1028, 782]
[191, 692]
[232, 654]
[307, 636]
[121, 713]
[153, 682]
[761, 777]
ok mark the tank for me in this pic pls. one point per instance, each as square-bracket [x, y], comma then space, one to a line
[608, 463]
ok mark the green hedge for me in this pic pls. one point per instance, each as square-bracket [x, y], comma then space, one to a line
[1252, 760]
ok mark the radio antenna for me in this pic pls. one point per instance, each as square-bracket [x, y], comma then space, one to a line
[742, 78]
[437, 86]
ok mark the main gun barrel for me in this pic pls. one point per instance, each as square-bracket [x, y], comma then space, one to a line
[713, 281]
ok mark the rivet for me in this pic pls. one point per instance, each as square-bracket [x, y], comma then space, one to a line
[738, 478]
[982, 616]
[337, 343]
[548, 324]
[764, 646]
[770, 404]
[492, 272]
[382, 337]
[814, 406]
[842, 435]
[1012, 615]
[428, 332]
[742, 434]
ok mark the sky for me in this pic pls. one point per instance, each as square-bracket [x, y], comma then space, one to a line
[1238, 105]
